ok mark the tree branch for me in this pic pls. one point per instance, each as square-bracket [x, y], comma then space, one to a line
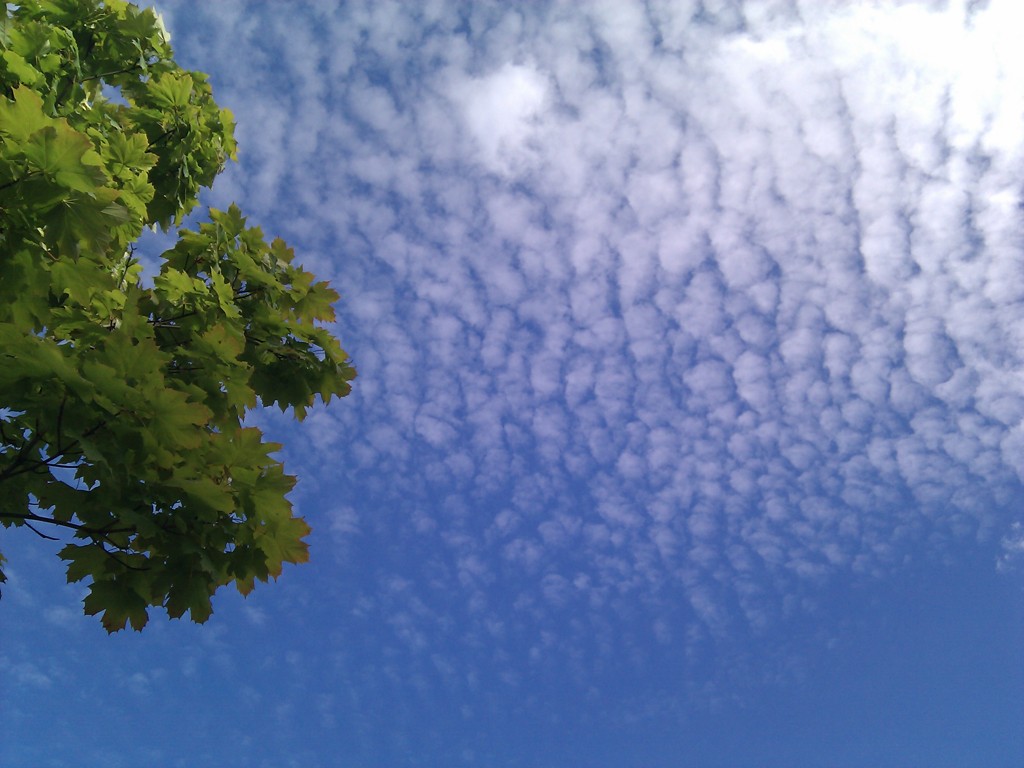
[77, 527]
[39, 533]
[101, 75]
[121, 562]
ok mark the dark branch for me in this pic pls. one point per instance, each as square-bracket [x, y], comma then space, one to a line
[39, 533]
[102, 75]
[121, 562]
[77, 527]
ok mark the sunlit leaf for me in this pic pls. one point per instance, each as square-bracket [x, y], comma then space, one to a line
[130, 398]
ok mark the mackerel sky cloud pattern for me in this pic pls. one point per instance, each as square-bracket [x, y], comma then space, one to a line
[675, 310]
[671, 319]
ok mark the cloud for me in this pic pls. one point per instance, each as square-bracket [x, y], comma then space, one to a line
[28, 674]
[690, 307]
[1013, 548]
[501, 111]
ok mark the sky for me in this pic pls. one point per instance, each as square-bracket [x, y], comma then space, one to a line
[689, 426]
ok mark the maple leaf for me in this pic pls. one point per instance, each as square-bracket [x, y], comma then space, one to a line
[128, 399]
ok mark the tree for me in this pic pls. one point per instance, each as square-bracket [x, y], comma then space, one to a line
[122, 401]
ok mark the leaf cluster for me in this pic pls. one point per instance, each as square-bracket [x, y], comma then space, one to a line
[122, 405]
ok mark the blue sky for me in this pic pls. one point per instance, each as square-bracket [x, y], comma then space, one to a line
[689, 427]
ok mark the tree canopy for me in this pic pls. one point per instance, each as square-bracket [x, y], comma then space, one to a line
[123, 399]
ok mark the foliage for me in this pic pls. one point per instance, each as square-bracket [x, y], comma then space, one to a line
[122, 403]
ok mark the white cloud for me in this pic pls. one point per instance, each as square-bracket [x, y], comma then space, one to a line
[502, 111]
[1013, 548]
[730, 290]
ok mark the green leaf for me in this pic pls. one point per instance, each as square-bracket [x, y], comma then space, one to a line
[23, 115]
[172, 91]
[225, 295]
[129, 153]
[191, 592]
[118, 603]
[60, 153]
[282, 543]
[83, 220]
[21, 69]
[84, 560]
[206, 492]
[129, 399]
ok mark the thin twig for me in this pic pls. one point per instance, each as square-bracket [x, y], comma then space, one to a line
[121, 562]
[39, 533]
